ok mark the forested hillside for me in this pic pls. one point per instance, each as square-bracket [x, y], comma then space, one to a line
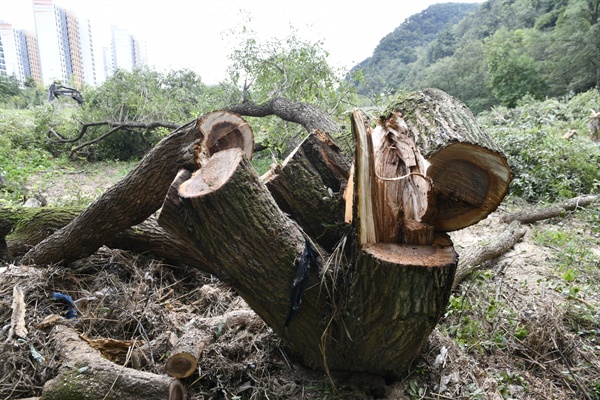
[391, 60]
[502, 51]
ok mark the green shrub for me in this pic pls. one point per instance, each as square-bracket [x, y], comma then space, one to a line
[547, 167]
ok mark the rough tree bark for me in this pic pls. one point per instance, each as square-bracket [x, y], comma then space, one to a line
[425, 169]
[374, 313]
[305, 114]
[310, 180]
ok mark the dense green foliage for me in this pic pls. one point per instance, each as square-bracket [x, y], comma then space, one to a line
[504, 50]
[547, 167]
[12, 95]
[20, 155]
[290, 67]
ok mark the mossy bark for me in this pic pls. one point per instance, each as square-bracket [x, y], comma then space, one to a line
[22, 228]
[85, 374]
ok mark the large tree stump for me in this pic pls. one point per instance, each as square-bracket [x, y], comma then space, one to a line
[378, 298]
[425, 169]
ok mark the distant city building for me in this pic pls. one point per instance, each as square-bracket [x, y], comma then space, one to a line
[62, 49]
[19, 54]
[65, 43]
[125, 52]
[33, 53]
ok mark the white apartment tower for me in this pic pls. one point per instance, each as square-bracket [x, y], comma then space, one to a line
[19, 54]
[65, 43]
[125, 52]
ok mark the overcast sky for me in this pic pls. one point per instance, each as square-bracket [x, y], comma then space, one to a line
[189, 33]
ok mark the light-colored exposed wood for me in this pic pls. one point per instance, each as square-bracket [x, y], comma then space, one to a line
[17, 321]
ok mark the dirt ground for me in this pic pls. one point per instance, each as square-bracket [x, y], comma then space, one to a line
[523, 326]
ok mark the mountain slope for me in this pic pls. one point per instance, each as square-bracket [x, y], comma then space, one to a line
[387, 67]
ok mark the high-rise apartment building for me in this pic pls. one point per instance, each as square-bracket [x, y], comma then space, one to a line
[19, 54]
[65, 42]
[125, 52]
[33, 54]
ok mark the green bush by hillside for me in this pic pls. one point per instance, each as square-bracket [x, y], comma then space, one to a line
[547, 167]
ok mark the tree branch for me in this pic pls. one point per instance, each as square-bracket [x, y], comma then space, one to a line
[307, 115]
[113, 124]
[529, 216]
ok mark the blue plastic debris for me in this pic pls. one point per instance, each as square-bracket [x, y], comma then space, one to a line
[67, 301]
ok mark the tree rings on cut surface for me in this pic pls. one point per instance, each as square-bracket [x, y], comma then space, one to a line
[470, 181]
[226, 130]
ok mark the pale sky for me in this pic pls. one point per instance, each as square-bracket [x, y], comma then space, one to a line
[189, 33]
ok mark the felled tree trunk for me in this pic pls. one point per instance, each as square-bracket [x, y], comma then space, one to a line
[142, 191]
[21, 229]
[374, 303]
[120, 206]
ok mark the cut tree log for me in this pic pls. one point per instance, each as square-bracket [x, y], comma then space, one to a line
[227, 213]
[23, 228]
[142, 191]
[310, 180]
[469, 174]
[85, 374]
[305, 114]
[199, 333]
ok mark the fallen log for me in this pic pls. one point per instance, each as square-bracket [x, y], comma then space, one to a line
[23, 228]
[481, 252]
[552, 211]
[119, 207]
[142, 191]
[86, 374]
[312, 179]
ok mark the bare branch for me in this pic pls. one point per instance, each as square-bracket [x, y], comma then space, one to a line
[307, 115]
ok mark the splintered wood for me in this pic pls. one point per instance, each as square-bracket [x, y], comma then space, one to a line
[393, 189]
[426, 166]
